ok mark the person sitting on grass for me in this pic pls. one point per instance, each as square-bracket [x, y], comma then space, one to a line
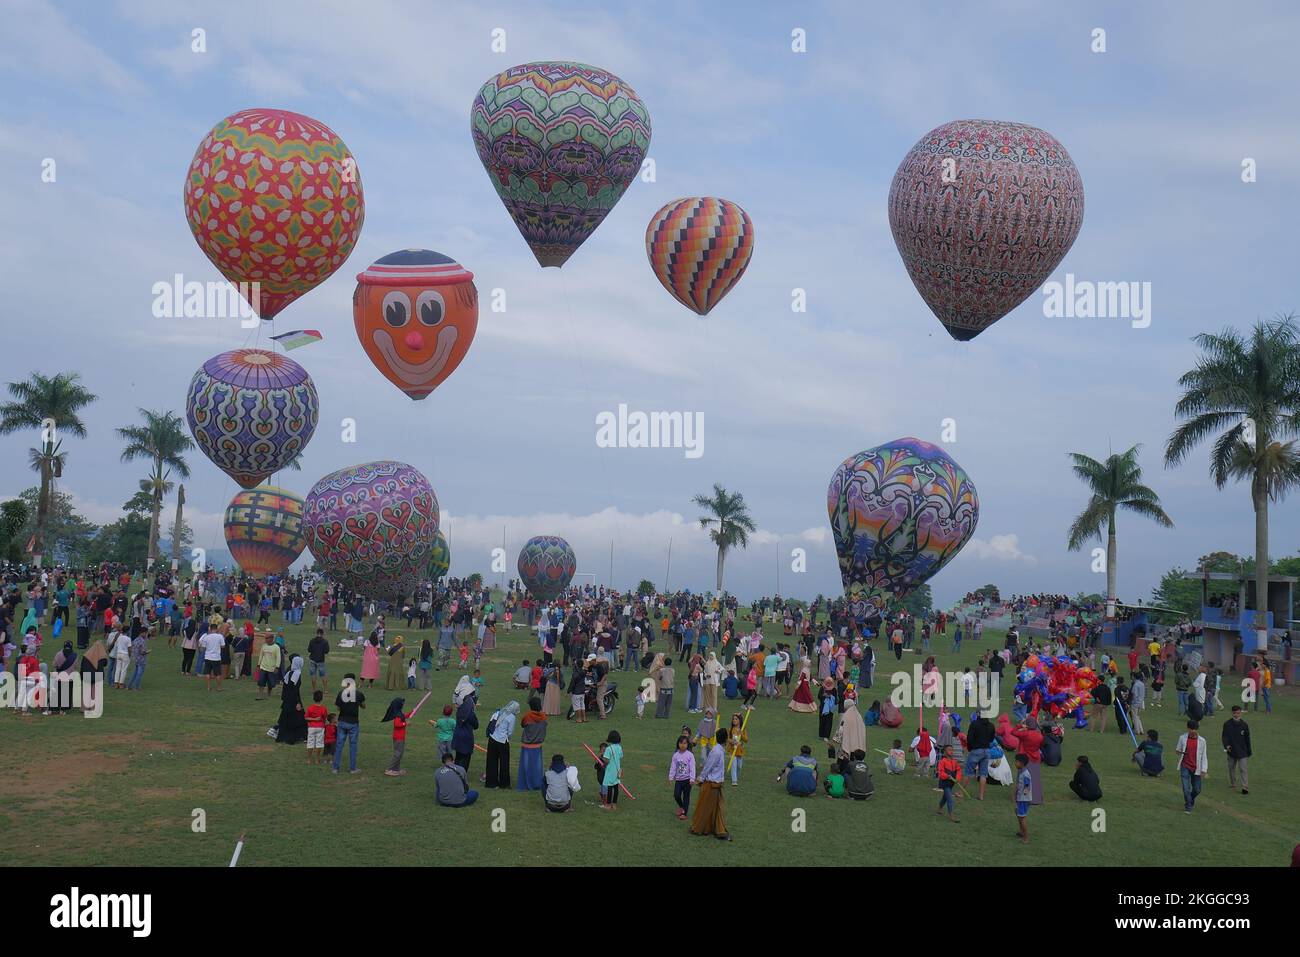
[452, 785]
[1149, 756]
[561, 784]
[858, 778]
[802, 770]
[522, 674]
[1085, 785]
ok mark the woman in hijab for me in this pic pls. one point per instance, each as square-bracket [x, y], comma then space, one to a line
[500, 727]
[462, 738]
[61, 699]
[370, 660]
[395, 675]
[709, 682]
[802, 701]
[93, 663]
[530, 748]
[552, 696]
[464, 689]
[424, 670]
[827, 705]
[292, 723]
[851, 735]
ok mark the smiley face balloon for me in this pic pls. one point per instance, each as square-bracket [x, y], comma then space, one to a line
[416, 312]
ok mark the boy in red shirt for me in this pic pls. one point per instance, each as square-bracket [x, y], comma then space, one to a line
[331, 733]
[399, 718]
[949, 775]
[316, 714]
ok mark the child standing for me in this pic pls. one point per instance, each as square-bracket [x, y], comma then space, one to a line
[464, 656]
[445, 727]
[316, 714]
[706, 732]
[331, 733]
[613, 770]
[949, 776]
[399, 718]
[737, 737]
[681, 772]
[923, 751]
[1024, 793]
[410, 674]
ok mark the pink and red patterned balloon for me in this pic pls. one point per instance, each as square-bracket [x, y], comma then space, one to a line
[982, 212]
[252, 412]
[898, 513]
[274, 198]
[373, 527]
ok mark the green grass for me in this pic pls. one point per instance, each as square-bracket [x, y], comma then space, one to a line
[123, 789]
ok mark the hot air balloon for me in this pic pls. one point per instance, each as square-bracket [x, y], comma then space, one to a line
[252, 412]
[372, 527]
[546, 566]
[899, 513]
[560, 142]
[982, 212]
[274, 199]
[264, 529]
[416, 312]
[440, 563]
[699, 247]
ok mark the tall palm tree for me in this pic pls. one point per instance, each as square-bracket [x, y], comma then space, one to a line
[1247, 388]
[39, 402]
[728, 522]
[161, 440]
[1115, 483]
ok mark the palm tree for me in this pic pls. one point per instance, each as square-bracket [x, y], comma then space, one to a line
[51, 404]
[162, 441]
[1115, 483]
[728, 522]
[1248, 389]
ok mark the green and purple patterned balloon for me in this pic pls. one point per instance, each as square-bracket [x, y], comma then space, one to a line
[440, 562]
[561, 143]
[546, 566]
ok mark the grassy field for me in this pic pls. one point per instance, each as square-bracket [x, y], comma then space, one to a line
[124, 789]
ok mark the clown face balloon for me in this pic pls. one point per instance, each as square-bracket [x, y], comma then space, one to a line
[252, 412]
[416, 312]
[373, 526]
[899, 513]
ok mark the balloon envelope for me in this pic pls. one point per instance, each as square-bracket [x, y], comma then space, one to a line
[416, 312]
[982, 212]
[546, 566]
[898, 513]
[264, 530]
[699, 247]
[440, 560]
[561, 142]
[252, 412]
[274, 198]
[372, 526]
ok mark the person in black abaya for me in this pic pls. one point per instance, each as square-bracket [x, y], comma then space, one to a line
[293, 722]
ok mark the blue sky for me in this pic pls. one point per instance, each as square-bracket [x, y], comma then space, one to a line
[808, 143]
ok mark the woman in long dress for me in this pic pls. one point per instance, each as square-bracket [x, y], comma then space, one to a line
[827, 707]
[552, 698]
[711, 678]
[395, 674]
[370, 660]
[802, 701]
[292, 723]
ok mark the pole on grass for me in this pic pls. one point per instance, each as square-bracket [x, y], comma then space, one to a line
[597, 757]
[238, 847]
[1127, 726]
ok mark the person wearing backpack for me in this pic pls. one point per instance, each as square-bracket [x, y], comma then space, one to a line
[500, 726]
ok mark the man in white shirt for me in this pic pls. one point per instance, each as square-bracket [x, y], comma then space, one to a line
[212, 644]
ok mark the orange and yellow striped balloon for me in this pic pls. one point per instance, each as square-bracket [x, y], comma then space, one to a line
[699, 247]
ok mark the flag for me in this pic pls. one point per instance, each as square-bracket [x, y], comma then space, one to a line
[299, 337]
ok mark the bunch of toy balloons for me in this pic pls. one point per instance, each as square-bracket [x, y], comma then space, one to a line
[1058, 685]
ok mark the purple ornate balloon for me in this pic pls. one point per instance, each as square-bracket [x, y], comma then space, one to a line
[252, 412]
[373, 526]
[899, 513]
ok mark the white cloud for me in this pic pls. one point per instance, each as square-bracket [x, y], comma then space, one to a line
[1002, 548]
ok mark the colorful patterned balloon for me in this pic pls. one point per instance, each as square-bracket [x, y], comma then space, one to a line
[546, 566]
[699, 247]
[372, 527]
[440, 562]
[982, 212]
[252, 412]
[561, 143]
[274, 198]
[264, 529]
[899, 513]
